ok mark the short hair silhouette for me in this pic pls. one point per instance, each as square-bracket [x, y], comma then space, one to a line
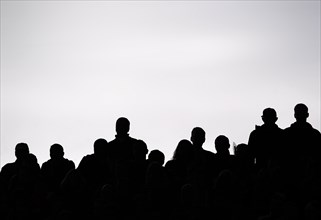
[122, 125]
[156, 156]
[198, 136]
[56, 151]
[222, 144]
[21, 150]
[301, 112]
[269, 116]
[100, 146]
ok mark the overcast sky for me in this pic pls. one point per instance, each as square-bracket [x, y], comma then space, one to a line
[70, 69]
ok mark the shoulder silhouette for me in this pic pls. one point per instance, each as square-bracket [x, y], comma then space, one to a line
[303, 140]
[122, 145]
[266, 141]
[54, 170]
[11, 169]
[223, 159]
[96, 168]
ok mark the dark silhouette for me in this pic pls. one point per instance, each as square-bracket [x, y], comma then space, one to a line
[20, 196]
[54, 170]
[303, 141]
[303, 166]
[244, 162]
[201, 171]
[223, 159]
[11, 169]
[137, 168]
[156, 156]
[277, 175]
[157, 190]
[178, 168]
[96, 168]
[122, 146]
[223, 198]
[266, 141]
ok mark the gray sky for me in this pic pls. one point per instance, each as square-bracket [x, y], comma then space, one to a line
[70, 69]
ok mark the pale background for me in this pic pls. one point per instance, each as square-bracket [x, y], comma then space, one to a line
[70, 69]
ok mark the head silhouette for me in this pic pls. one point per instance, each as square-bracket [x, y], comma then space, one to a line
[21, 151]
[156, 156]
[301, 112]
[140, 150]
[269, 116]
[222, 144]
[184, 151]
[122, 126]
[100, 146]
[198, 137]
[56, 151]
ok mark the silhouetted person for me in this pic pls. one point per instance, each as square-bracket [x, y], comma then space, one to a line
[11, 169]
[156, 156]
[156, 189]
[244, 162]
[303, 140]
[266, 141]
[54, 170]
[22, 188]
[122, 145]
[223, 159]
[74, 200]
[96, 168]
[137, 167]
[201, 170]
[302, 144]
[178, 168]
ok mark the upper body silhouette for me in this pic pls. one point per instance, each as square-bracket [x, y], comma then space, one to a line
[137, 167]
[266, 141]
[54, 170]
[302, 145]
[156, 156]
[201, 171]
[96, 168]
[303, 140]
[223, 159]
[178, 168]
[11, 169]
[122, 146]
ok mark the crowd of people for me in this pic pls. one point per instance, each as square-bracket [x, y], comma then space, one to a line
[276, 175]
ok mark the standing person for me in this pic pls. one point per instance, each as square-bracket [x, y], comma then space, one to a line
[54, 170]
[302, 138]
[266, 141]
[122, 146]
[201, 171]
[303, 141]
[223, 159]
[95, 168]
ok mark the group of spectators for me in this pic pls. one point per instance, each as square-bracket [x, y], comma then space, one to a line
[276, 175]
